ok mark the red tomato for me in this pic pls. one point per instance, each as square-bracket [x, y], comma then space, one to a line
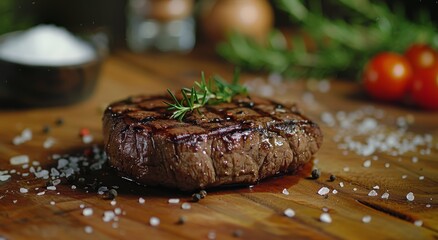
[387, 76]
[425, 88]
[421, 56]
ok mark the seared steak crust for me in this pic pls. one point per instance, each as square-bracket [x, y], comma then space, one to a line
[240, 142]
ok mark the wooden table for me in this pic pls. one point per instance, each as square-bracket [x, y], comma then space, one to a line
[230, 213]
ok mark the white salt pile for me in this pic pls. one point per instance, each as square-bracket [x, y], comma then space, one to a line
[46, 45]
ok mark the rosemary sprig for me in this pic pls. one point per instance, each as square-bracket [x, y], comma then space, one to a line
[343, 44]
[215, 90]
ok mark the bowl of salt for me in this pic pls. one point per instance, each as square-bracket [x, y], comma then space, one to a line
[47, 66]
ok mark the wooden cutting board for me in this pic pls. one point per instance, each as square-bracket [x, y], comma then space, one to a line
[255, 212]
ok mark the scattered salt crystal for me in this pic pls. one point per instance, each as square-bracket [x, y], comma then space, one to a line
[52, 188]
[387, 165]
[355, 189]
[118, 211]
[414, 159]
[87, 139]
[4, 177]
[12, 171]
[421, 177]
[54, 172]
[289, 212]
[41, 193]
[82, 205]
[324, 86]
[52, 203]
[323, 191]
[14, 201]
[62, 163]
[154, 221]
[186, 206]
[410, 196]
[428, 205]
[372, 193]
[211, 235]
[23, 190]
[35, 163]
[366, 219]
[367, 163]
[325, 209]
[404, 176]
[285, 192]
[88, 229]
[87, 212]
[113, 202]
[385, 195]
[25, 166]
[376, 187]
[102, 190]
[418, 223]
[325, 218]
[341, 184]
[173, 200]
[73, 187]
[49, 142]
[18, 160]
[108, 216]
[141, 200]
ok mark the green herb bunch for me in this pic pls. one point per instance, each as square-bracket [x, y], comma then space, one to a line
[215, 90]
[342, 45]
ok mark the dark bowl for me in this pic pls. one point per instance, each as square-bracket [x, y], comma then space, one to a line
[23, 85]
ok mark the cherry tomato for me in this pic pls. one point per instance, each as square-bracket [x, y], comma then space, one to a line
[425, 88]
[387, 76]
[421, 56]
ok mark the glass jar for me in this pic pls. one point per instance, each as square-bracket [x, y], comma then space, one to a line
[165, 25]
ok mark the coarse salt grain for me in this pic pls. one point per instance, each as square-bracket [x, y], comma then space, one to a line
[325, 218]
[341, 184]
[385, 195]
[346, 169]
[372, 193]
[418, 223]
[404, 176]
[186, 206]
[154, 221]
[323, 191]
[173, 200]
[113, 202]
[118, 211]
[367, 163]
[87, 212]
[52, 188]
[285, 192]
[289, 212]
[108, 216]
[355, 189]
[421, 177]
[19, 160]
[428, 205]
[49, 142]
[4, 177]
[366, 219]
[414, 159]
[88, 229]
[335, 191]
[376, 187]
[73, 187]
[387, 165]
[52, 203]
[24, 190]
[141, 200]
[410, 196]
[87, 139]
[41, 193]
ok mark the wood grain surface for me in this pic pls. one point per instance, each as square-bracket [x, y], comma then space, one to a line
[244, 212]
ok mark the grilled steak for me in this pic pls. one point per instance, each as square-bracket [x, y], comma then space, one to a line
[240, 142]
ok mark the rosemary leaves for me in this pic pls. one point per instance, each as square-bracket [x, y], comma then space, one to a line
[215, 90]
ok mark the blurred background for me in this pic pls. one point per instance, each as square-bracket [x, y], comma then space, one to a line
[248, 28]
